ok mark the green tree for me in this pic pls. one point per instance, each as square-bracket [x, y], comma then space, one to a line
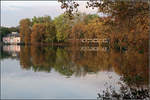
[44, 19]
[63, 27]
[3, 32]
[50, 32]
[89, 17]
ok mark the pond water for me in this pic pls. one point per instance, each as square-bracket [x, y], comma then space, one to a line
[69, 72]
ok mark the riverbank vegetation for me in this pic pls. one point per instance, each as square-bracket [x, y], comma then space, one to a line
[42, 30]
[126, 24]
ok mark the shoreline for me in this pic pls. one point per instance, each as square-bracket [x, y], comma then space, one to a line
[56, 44]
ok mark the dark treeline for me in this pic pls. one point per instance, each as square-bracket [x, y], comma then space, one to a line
[7, 30]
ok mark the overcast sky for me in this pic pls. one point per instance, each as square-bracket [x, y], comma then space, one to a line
[13, 11]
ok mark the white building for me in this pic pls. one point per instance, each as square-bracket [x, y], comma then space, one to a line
[12, 38]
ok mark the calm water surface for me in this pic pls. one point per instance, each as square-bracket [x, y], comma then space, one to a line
[68, 72]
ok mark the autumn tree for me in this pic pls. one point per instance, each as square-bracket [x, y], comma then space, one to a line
[78, 32]
[127, 20]
[38, 33]
[49, 31]
[25, 30]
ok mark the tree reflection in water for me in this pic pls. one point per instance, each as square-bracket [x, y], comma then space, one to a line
[130, 65]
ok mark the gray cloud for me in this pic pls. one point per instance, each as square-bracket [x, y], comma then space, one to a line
[13, 11]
